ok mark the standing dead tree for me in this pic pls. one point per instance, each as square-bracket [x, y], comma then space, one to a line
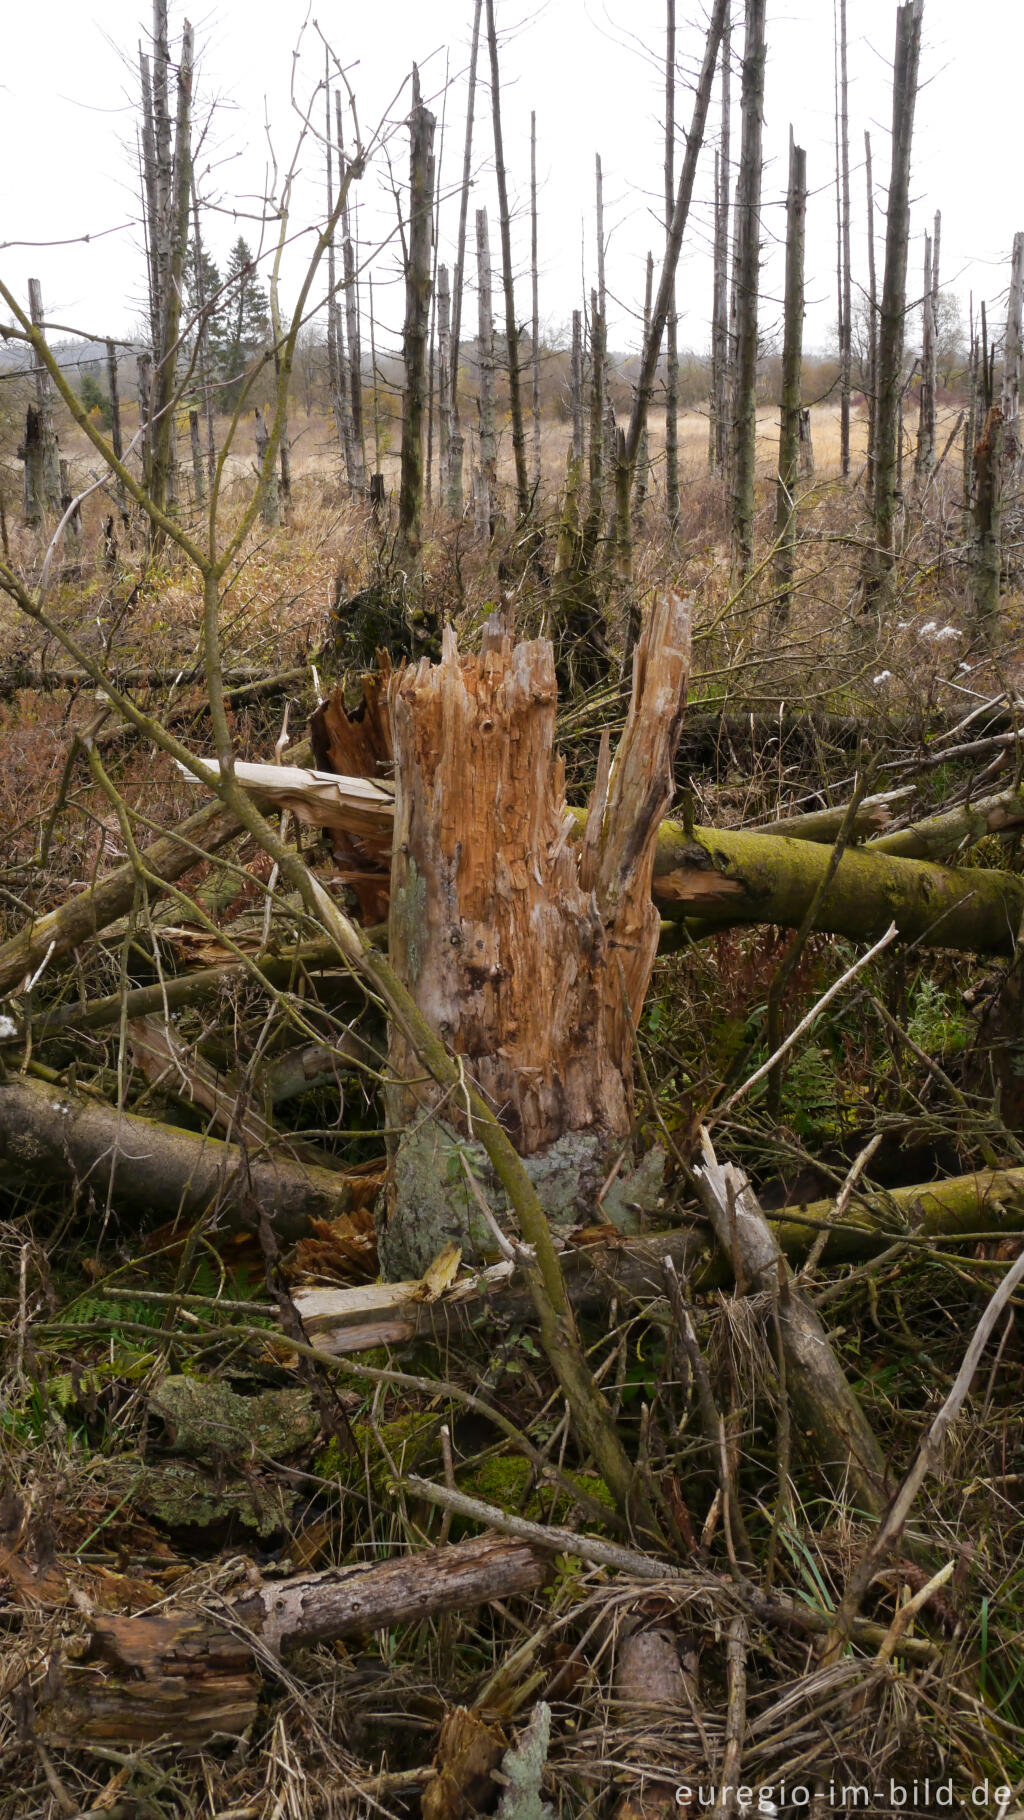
[746, 268]
[672, 324]
[535, 299]
[879, 560]
[340, 406]
[1012, 355]
[40, 451]
[720, 412]
[417, 319]
[167, 191]
[843, 276]
[354, 376]
[456, 439]
[925, 460]
[872, 301]
[508, 281]
[486, 478]
[791, 399]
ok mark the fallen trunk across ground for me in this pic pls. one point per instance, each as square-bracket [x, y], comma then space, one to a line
[46, 1131]
[184, 1676]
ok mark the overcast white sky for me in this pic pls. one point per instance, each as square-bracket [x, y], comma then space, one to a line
[593, 71]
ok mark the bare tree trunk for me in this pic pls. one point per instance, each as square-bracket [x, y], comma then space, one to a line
[872, 373]
[592, 528]
[720, 313]
[144, 389]
[576, 386]
[42, 454]
[203, 336]
[198, 475]
[643, 462]
[535, 286]
[487, 491]
[844, 276]
[986, 555]
[417, 316]
[174, 191]
[355, 352]
[456, 439]
[792, 401]
[879, 562]
[747, 274]
[672, 323]
[684, 193]
[623, 533]
[335, 334]
[270, 503]
[1012, 357]
[444, 363]
[73, 524]
[511, 326]
[929, 379]
[433, 296]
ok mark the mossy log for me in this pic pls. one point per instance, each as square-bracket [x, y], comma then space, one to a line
[50, 1134]
[723, 877]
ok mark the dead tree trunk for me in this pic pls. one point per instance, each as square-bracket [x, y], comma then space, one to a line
[205, 374]
[721, 409]
[116, 437]
[457, 440]
[42, 454]
[879, 561]
[672, 323]
[986, 553]
[444, 368]
[508, 279]
[417, 318]
[355, 351]
[925, 460]
[643, 459]
[792, 399]
[747, 275]
[487, 489]
[531, 956]
[535, 326]
[1012, 357]
[198, 474]
[576, 386]
[872, 372]
[170, 232]
[843, 245]
[270, 501]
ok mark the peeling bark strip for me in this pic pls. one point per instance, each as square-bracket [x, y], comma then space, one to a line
[528, 954]
[182, 1676]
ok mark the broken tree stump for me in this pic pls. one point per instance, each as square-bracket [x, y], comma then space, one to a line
[529, 954]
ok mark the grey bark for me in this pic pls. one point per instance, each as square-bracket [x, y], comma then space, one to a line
[721, 352]
[170, 234]
[791, 400]
[872, 372]
[116, 437]
[643, 462]
[1012, 356]
[42, 454]
[198, 474]
[672, 323]
[203, 337]
[417, 318]
[845, 283]
[746, 277]
[355, 349]
[511, 326]
[576, 386]
[535, 289]
[684, 193]
[73, 525]
[270, 500]
[340, 406]
[457, 439]
[925, 461]
[894, 298]
[986, 552]
[487, 487]
[444, 367]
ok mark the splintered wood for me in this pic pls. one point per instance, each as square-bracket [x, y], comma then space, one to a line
[528, 953]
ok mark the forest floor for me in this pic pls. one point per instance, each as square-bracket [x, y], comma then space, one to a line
[167, 1444]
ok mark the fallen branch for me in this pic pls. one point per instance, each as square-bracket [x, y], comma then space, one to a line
[48, 1132]
[183, 1676]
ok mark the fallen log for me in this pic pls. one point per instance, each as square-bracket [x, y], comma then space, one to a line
[717, 878]
[184, 1676]
[240, 685]
[938, 836]
[47, 1132]
[342, 1321]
